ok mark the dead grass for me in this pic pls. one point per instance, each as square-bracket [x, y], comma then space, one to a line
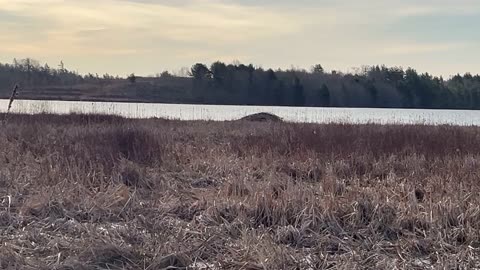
[102, 192]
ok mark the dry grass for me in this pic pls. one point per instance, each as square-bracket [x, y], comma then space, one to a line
[102, 192]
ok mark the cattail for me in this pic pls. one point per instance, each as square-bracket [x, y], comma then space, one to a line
[12, 98]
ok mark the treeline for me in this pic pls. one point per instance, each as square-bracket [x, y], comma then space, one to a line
[375, 86]
[220, 83]
[30, 74]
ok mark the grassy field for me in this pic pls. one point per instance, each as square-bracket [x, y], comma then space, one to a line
[102, 192]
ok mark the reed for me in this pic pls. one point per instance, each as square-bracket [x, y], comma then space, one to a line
[104, 192]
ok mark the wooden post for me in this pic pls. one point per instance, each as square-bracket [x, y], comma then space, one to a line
[12, 97]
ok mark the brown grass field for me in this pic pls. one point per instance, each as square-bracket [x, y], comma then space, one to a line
[103, 192]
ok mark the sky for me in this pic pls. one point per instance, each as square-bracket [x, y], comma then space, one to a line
[147, 36]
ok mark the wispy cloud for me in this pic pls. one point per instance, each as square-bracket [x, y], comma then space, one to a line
[197, 20]
[122, 35]
[421, 48]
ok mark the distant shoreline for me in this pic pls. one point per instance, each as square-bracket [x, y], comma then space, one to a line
[143, 101]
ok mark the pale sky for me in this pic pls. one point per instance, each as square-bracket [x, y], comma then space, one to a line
[148, 36]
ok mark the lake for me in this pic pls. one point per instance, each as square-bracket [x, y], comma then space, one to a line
[224, 112]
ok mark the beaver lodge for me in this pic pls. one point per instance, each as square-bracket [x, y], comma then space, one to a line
[262, 117]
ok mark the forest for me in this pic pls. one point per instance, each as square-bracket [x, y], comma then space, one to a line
[239, 84]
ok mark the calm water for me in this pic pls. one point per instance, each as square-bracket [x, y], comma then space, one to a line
[220, 112]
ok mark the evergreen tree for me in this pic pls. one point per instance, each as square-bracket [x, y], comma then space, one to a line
[299, 95]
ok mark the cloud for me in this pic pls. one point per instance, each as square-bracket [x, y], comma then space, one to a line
[144, 36]
[193, 21]
[422, 48]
